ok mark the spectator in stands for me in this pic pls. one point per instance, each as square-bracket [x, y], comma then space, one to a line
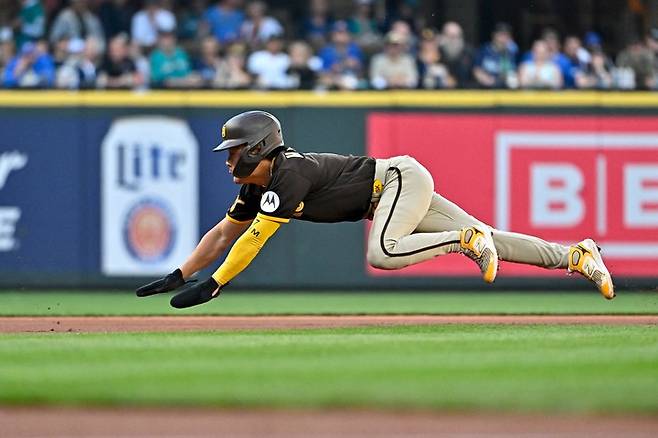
[31, 22]
[317, 26]
[30, 68]
[405, 31]
[115, 16]
[7, 47]
[60, 51]
[224, 20]
[552, 39]
[364, 27]
[169, 64]
[269, 65]
[233, 74]
[77, 21]
[148, 22]
[119, 70]
[142, 62]
[495, 65]
[304, 67]
[540, 72]
[79, 69]
[190, 22]
[577, 60]
[342, 60]
[432, 73]
[597, 75]
[456, 54]
[638, 59]
[209, 64]
[259, 27]
[593, 42]
[393, 68]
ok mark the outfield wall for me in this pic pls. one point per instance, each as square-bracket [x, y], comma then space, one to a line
[97, 189]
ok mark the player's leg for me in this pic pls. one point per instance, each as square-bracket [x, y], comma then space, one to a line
[406, 197]
[444, 215]
[583, 257]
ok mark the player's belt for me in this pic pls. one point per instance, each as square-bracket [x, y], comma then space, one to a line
[381, 167]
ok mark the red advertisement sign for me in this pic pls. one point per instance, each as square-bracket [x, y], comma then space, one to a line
[559, 178]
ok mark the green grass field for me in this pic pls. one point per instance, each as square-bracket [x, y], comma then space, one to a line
[325, 303]
[459, 367]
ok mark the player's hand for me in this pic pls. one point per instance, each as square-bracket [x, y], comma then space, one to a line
[198, 294]
[170, 282]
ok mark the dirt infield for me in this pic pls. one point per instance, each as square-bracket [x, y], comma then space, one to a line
[170, 423]
[81, 324]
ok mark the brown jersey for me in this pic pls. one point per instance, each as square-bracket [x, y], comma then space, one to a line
[317, 187]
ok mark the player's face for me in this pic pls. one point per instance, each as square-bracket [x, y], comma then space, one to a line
[260, 175]
[256, 176]
[233, 157]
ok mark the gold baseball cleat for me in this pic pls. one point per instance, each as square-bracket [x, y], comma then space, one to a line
[585, 258]
[479, 246]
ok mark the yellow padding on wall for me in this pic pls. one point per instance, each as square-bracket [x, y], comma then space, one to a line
[249, 99]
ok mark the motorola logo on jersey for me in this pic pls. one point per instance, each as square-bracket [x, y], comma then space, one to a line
[269, 202]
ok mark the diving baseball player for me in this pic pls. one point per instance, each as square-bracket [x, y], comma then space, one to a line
[410, 222]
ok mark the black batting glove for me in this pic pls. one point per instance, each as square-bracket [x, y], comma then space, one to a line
[166, 284]
[198, 294]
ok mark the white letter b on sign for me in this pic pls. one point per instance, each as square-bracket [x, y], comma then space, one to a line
[555, 199]
[641, 195]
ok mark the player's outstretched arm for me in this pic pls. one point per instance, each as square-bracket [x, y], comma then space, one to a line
[241, 255]
[211, 246]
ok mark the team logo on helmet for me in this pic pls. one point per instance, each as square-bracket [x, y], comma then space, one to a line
[269, 202]
[224, 132]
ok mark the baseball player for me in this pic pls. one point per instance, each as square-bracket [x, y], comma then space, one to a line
[410, 222]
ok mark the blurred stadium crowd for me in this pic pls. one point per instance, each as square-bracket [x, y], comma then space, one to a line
[234, 44]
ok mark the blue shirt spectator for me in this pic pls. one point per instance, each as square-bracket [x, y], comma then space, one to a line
[316, 26]
[495, 63]
[342, 53]
[29, 69]
[224, 20]
[576, 63]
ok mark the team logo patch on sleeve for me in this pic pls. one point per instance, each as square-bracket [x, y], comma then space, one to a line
[269, 202]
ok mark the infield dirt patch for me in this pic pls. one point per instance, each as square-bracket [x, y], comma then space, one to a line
[170, 423]
[80, 324]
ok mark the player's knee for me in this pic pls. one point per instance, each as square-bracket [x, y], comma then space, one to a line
[379, 260]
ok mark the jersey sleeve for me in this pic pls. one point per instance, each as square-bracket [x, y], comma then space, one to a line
[246, 205]
[284, 195]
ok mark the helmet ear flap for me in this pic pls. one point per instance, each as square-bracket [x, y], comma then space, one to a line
[255, 150]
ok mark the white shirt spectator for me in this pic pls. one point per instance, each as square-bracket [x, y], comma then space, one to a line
[144, 27]
[266, 29]
[393, 72]
[270, 69]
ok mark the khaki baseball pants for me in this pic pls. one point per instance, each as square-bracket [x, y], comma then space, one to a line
[412, 223]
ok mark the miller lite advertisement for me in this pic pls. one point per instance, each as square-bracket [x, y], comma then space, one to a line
[149, 195]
